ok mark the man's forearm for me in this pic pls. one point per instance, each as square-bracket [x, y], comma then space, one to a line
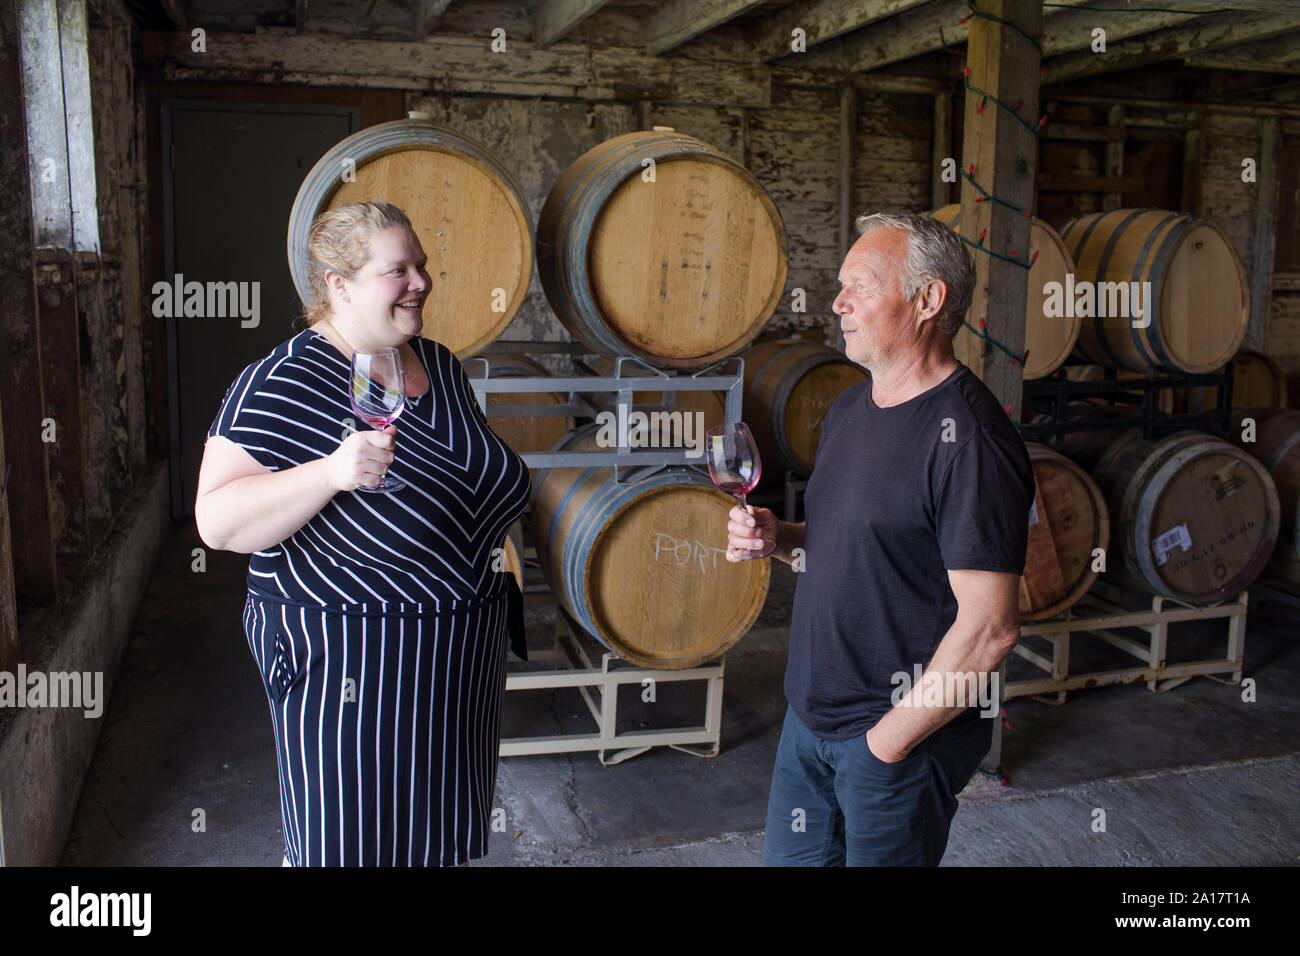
[967, 649]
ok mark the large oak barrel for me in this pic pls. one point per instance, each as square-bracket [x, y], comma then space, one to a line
[1049, 341]
[1257, 381]
[712, 405]
[523, 433]
[1086, 446]
[1194, 518]
[641, 563]
[468, 211]
[1067, 522]
[1199, 299]
[790, 385]
[678, 263]
[1276, 445]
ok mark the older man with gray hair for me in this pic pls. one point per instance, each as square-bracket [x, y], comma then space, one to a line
[912, 550]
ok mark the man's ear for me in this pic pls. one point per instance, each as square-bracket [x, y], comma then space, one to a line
[931, 299]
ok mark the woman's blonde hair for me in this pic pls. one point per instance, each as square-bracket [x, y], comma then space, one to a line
[339, 241]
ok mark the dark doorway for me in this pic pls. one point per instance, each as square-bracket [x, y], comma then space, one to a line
[230, 175]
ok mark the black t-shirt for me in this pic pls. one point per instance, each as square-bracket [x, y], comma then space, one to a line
[899, 497]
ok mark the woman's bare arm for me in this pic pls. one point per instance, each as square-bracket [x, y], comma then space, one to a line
[243, 506]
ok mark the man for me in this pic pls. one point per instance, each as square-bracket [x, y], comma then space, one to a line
[911, 554]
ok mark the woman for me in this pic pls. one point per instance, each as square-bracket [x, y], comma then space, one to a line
[376, 619]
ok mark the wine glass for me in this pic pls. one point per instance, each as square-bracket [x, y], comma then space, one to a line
[377, 391]
[733, 459]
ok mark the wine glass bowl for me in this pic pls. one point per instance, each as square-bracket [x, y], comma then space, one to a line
[377, 393]
[732, 456]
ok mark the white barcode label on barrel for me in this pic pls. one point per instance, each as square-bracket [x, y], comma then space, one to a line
[1033, 511]
[1172, 542]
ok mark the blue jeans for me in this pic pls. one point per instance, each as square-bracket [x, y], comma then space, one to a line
[834, 803]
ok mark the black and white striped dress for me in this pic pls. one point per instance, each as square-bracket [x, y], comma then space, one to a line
[379, 627]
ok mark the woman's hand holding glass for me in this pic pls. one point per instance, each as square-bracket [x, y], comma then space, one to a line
[361, 459]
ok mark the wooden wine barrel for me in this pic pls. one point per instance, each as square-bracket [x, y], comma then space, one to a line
[1166, 399]
[641, 564]
[1276, 445]
[469, 212]
[1086, 447]
[1199, 297]
[1068, 520]
[790, 385]
[678, 271]
[712, 405]
[1049, 341]
[524, 433]
[1257, 382]
[1195, 519]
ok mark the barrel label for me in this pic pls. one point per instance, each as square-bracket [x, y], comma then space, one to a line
[1227, 480]
[1174, 541]
[685, 552]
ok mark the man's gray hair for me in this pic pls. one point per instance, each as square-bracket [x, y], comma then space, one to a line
[933, 252]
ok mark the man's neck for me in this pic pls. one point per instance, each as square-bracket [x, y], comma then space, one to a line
[916, 373]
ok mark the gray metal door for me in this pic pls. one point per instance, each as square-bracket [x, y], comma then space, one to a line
[231, 172]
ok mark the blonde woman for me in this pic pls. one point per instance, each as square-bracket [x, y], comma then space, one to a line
[376, 619]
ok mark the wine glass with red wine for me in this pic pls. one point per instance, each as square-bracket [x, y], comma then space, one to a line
[377, 391]
[733, 459]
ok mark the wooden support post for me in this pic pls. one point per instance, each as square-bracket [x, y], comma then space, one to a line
[1261, 260]
[941, 148]
[1191, 200]
[848, 129]
[30, 540]
[1002, 152]
[1114, 157]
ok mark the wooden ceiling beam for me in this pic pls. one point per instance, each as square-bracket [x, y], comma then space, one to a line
[821, 20]
[1205, 34]
[554, 18]
[175, 10]
[677, 21]
[427, 15]
[1278, 55]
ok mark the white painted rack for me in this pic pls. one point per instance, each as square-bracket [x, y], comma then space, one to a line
[599, 685]
[1100, 613]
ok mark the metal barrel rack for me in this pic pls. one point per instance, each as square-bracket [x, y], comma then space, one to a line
[1053, 396]
[599, 682]
[630, 375]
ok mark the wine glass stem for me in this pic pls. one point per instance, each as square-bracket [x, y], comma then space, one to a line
[743, 506]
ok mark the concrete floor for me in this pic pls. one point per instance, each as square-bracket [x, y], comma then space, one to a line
[1194, 776]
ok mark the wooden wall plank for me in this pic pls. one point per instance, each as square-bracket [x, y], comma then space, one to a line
[456, 65]
[8, 598]
[21, 391]
[60, 364]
